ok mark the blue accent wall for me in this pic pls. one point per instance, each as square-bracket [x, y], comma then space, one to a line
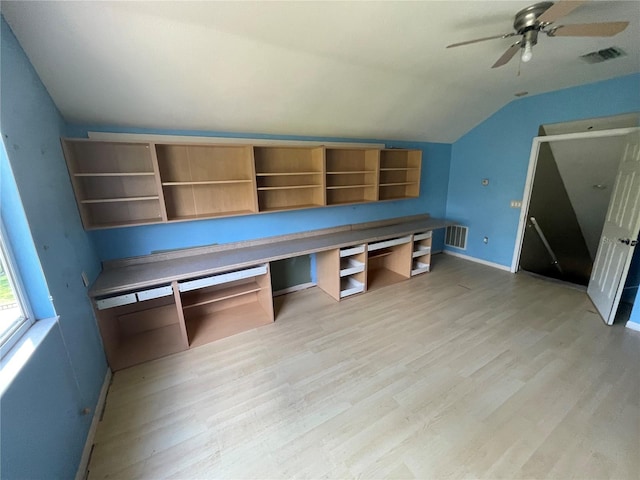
[142, 240]
[42, 429]
[499, 149]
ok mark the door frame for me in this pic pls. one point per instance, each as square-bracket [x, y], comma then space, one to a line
[533, 162]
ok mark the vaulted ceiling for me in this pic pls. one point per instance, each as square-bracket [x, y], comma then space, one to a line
[347, 69]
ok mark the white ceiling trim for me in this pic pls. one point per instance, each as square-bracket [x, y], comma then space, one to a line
[142, 137]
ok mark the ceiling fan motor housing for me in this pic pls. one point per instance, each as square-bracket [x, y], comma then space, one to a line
[526, 21]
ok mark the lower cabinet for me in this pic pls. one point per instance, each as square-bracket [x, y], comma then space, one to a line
[152, 323]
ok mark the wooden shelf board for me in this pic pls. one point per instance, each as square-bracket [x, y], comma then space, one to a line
[339, 187]
[210, 215]
[397, 184]
[347, 202]
[289, 187]
[291, 207]
[350, 172]
[395, 169]
[285, 174]
[115, 174]
[379, 254]
[148, 345]
[381, 277]
[225, 323]
[124, 223]
[120, 199]
[205, 182]
[226, 293]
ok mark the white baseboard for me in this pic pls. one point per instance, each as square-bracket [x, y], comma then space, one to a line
[295, 288]
[97, 413]
[633, 326]
[478, 260]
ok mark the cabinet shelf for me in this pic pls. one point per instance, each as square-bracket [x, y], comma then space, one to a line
[340, 187]
[148, 345]
[350, 172]
[205, 182]
[286, 174]
[114, 174]
[291, 207]
[395, 184]
[196, 216]
[289, 187]
[120, 199]
[350, 286]
[380, 253]
[398, 169]
[220, 295]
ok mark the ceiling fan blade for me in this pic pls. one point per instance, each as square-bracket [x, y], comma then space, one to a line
[506, 35]
[508, 55]
[607, 29]
[559, 10]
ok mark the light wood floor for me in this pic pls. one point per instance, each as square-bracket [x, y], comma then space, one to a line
[465, 372]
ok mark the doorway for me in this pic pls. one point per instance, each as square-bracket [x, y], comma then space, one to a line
[571, 176]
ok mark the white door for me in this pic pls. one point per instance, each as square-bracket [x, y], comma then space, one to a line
[619, 235]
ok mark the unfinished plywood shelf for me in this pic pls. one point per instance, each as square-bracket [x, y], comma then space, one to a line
[399, 174]
[115, 183]
[206, 181]
[223, 305]
[171, 182]
[352, 175]
[289, 177]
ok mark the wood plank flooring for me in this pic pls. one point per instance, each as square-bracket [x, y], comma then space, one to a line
[465, 372]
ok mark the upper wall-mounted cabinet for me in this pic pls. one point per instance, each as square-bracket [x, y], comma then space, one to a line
[127, 183]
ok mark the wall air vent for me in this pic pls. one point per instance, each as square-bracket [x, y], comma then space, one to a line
[456, 237]
[603, 55]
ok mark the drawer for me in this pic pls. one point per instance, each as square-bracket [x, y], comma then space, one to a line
[350, 286]
[112, 302]
[421, 250]
[222, 278]
[348, 251]
[422, 236]
[349, 266]
[389, 243]
[154, 293]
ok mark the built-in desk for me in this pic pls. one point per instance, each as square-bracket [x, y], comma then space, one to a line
[159, 304]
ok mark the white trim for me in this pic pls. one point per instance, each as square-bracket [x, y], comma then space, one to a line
[295, 288]
[633, 326]
[97, 414]
[533, 160]
[477, 260]
[143, 137]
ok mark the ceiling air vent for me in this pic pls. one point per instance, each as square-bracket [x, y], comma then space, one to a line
[456, 236]
[603, 55]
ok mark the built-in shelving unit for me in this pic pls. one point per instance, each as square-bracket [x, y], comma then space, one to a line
[399, 174]
[289, 177]
[342, 272]
[421, 255]
[388, 262]
[114, 183]
[204, 181]
[352, 175]
[128, 183]
[223, 305]
[137, 327]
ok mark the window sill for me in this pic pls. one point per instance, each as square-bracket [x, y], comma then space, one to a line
[13, 362]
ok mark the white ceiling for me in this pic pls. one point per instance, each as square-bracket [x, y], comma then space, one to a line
[348, 69]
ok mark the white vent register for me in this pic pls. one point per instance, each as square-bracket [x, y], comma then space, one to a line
[456, 236]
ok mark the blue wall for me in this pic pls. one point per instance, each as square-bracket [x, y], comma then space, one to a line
[499, 148]
[132, 241]
[42, 429]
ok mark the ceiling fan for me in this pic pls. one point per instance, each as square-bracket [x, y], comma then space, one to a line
[538, 18]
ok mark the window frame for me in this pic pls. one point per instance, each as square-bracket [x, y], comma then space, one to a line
[19, 291]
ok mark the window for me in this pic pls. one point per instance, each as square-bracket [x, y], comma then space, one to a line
[15, 315]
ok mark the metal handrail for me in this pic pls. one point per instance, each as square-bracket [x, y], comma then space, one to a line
[554, 259]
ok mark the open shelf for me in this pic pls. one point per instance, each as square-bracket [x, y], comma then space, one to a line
[285, 174]
[351, 172]
[185, 218]
[382, 277]
[397, 183]
[120, 199]
[207, 182]
[380, 253]
[352, 175]
[203, 297]
[230, 321]
[340, 187]
[350, 265]
[192, 201]
[115, 174]
[141, 331]
[350, 286]
[288, 187]
[418, 267]
[399, 174]
[121, 213]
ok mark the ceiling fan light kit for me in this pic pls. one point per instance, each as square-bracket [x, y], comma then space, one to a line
[532, 20]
